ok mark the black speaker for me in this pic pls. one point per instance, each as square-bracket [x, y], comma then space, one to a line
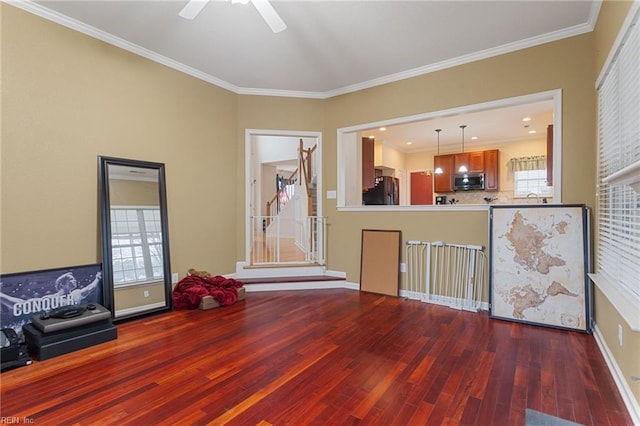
[9, 345]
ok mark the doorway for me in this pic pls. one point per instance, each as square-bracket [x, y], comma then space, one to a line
[284, 224]
[421, 188]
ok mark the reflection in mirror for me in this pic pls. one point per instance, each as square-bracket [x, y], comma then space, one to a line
[134, 237]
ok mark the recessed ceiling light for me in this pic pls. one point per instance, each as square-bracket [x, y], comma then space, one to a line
[473, 138]
[526, 119]
[382, 129]
[372, 137]
[409, 143]
[532, 132]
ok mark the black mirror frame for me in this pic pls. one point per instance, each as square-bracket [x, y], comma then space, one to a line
[105, 217]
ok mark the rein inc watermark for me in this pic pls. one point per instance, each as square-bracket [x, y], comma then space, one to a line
[15, 420]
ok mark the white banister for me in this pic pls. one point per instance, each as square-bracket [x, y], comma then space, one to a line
[273, 242]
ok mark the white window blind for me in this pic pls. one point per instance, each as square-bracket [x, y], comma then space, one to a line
[618, 227]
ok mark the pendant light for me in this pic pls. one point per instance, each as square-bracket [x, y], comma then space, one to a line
[463, 167]
[438, 169]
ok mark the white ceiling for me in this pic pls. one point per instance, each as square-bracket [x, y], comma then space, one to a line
[335, 47]
[484, 128]
[329, 47]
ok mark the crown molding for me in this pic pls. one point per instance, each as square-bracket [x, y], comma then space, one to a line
[36, 9]
[465, 59]
[283, 93]
[58, 18]
[594, 13]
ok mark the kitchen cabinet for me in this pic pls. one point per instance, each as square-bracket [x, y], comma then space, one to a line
[444, 181]
[368, 168]
[476, 162]
[491, 170]
[486, 162]
[459, 160]
[473, 160]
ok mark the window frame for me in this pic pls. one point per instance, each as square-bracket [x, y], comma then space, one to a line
[349, 181]
[144, 244]
[618, 205]
[541, 184]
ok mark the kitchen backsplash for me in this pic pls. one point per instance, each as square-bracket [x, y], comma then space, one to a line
[478, 197]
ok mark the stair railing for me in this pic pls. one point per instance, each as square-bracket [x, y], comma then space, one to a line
[306, 163]
[276, 245]
[269, 235]
[280, 199]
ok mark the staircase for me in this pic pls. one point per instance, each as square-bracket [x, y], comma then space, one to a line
[271, 242]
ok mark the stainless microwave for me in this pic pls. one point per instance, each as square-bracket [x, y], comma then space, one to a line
[468, 181]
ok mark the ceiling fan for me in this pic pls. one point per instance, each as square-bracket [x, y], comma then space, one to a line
[265, 9]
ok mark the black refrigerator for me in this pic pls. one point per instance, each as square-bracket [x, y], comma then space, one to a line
[385, 192]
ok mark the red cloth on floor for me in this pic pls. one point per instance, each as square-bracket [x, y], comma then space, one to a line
[188, 293]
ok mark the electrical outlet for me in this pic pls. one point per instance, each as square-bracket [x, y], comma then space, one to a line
[146, 293]
[174, 278]
[403, 267]
[619, 334]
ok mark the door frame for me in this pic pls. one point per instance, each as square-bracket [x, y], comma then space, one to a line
[250, 182]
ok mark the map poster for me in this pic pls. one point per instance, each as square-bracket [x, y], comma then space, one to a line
[538, 265]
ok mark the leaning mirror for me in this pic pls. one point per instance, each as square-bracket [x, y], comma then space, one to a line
[135, 245]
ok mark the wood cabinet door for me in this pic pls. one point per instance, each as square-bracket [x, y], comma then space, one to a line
[476, 162]
[460, 159]
[491, 170]
[368, 168]
[444, 181]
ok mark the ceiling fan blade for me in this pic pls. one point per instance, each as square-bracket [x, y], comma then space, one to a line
[270, 15]
[193, 8]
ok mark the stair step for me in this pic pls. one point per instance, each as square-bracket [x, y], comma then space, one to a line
[290, 279]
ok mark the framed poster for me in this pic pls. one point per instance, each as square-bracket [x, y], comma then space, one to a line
[23, 295]
[539, 260]
[380, 261]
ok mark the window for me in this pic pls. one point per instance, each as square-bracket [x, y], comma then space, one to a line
[529, 176]
[136, 245]
[530, 182]
[618, 226]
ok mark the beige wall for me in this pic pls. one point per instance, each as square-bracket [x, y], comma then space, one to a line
[72, 98]
[610, 19]
[67, 98]
[567, 64]
[269, 113]
[131, 298]
[389, 158]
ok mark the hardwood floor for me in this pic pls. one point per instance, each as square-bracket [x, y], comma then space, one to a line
[320, 357]
[264, 250]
